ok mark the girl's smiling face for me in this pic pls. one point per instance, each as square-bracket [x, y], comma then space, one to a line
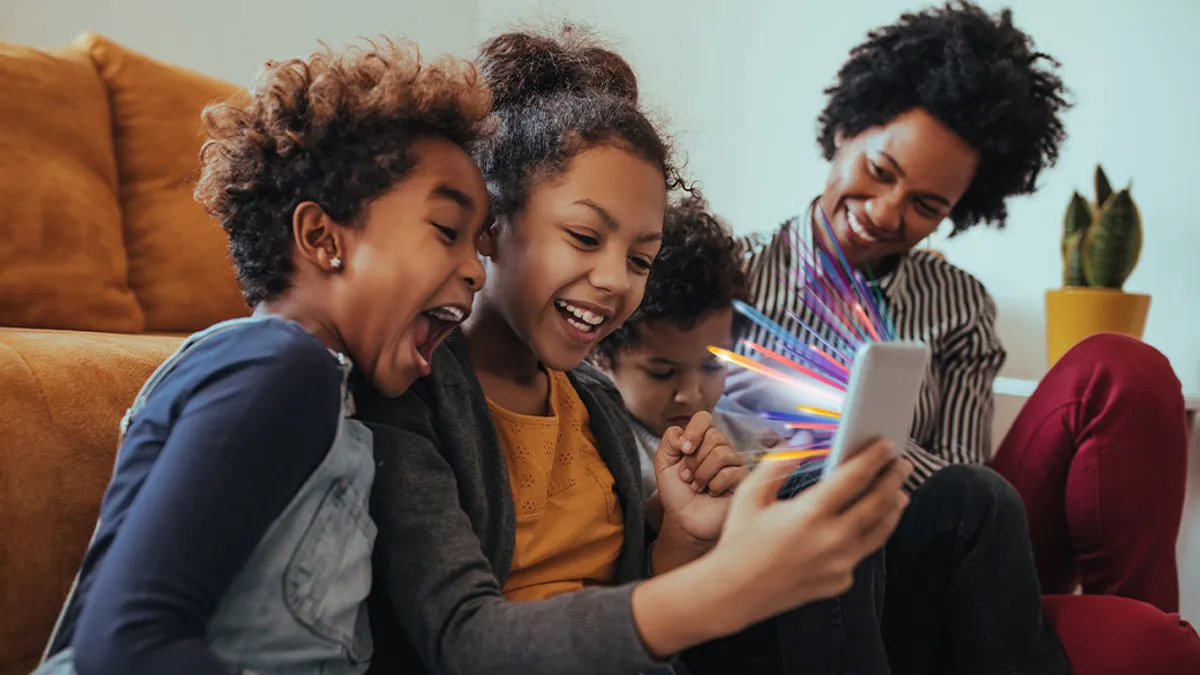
[571, 265]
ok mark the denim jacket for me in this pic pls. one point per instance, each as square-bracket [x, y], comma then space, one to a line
[298, 604]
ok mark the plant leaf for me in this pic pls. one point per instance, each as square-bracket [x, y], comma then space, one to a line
[1073, 260]
[1112, 245]
[1103, 189]
[1078, 216]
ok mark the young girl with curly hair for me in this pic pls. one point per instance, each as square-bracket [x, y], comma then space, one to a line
[234, 535]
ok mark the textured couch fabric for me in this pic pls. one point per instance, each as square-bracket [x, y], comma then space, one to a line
[63, 396]
[103, 245]
[171, 241]
[60, 220]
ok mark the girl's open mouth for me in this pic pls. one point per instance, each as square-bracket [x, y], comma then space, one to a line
[583, 324]
[430, 328]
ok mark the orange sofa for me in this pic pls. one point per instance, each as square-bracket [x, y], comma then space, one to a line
[107, 262]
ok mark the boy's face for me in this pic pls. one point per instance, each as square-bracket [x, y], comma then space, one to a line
[670, 375]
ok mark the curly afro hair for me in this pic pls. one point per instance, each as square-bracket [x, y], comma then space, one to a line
[335, 129]
[696, 272]
[975, 73]
[555, 97]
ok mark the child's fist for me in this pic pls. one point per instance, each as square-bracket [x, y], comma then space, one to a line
[697, 470]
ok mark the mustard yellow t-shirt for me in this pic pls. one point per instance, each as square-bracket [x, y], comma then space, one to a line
[570, 527]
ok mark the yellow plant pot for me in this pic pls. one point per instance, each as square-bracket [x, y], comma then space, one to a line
[1074, 313]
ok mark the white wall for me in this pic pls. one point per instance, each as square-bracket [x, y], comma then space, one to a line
[740, 85]
[742, 82]
[231, 39]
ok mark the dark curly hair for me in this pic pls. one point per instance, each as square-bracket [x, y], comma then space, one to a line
[696, 272]
[335, 129]
[555, 97]
[975, 73]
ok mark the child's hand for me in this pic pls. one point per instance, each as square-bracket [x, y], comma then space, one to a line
[710, 461]
[775, 554]
[697, 470]
[784, 553]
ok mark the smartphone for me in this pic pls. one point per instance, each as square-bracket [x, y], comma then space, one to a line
[885, 383]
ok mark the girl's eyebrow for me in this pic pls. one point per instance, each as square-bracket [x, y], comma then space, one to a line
[455, 195]
[611, 223]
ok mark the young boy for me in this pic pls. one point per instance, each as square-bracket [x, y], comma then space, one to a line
[659, 358]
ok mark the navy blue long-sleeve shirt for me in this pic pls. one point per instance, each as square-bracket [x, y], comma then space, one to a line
[212, 459]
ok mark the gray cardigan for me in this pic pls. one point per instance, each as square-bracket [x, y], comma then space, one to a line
[447, 528]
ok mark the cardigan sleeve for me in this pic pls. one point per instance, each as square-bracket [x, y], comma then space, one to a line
[444, 592]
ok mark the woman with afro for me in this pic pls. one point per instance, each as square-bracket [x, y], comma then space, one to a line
[945, 115]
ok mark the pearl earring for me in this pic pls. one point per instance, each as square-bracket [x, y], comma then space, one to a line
[335, 262]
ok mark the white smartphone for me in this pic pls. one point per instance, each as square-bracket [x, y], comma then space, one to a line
[885, 382]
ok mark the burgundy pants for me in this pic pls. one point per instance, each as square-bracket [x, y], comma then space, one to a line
[1099, 456]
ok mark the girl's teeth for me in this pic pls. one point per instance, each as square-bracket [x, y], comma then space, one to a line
[579, 325]
[588, 317]
[453, 314]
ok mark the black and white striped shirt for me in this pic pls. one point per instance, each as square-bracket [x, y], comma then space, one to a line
[930, 301]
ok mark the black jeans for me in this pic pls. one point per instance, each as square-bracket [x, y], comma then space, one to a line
[961, 596]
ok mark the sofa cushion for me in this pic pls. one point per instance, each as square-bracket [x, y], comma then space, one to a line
[64, 263]
[62, 400]
[179, 266]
